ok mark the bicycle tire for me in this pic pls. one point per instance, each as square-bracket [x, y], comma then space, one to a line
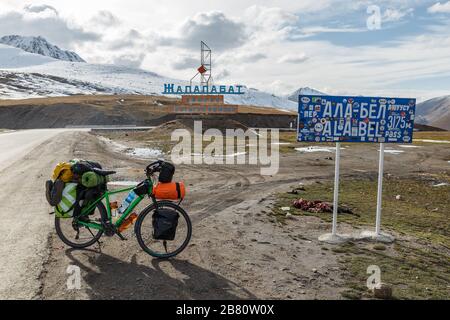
[101, 207]
[143, 214]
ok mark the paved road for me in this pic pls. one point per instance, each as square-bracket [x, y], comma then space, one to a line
[16, 144]
[26, 159]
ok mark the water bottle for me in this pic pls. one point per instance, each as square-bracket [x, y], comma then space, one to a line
[126, 202]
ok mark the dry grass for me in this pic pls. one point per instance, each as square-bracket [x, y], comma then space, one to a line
[432, 135]
[104, 100]
[157, 103]
[417, 268]
[263, 110]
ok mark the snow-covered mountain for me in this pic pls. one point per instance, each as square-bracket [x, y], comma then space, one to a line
[39, 45]
[306, 91]
[26, 75]
[434, 112]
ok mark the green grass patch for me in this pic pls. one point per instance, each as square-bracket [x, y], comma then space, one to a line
[422, 212]
[412, 273]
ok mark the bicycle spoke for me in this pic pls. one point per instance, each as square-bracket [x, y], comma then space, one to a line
[93, 236]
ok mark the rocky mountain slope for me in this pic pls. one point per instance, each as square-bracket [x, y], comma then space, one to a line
[41, 46]
[435, 112]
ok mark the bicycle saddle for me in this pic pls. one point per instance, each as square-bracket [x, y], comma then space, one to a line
[103, 172]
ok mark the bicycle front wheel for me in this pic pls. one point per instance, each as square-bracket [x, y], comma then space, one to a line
[163, 248]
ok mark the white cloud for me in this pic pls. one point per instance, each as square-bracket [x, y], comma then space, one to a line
[393, 15]
[185, 62]
[269, 24]
[270, 18]
[440, 8]
[214, 27]
[105, 18]
[241, 56]
[222, 74]
[41, 9]
[313, 30]
[45, 21]
[293, 58]
[133, 60]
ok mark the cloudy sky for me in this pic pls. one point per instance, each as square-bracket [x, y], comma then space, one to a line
[397, 48]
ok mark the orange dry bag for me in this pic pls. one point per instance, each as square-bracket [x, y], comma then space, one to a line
[169, 190]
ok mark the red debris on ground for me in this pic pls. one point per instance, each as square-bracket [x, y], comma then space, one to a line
[315, 206]
[318, 206]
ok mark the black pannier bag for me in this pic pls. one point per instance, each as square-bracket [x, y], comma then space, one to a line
[142, 188]
[53, 191]
[165, 222]
[167, 172]
[84, 166]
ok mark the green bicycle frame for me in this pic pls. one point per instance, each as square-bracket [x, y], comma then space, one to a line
[105, 197]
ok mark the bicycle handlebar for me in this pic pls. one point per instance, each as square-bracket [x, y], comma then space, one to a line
[153, 167]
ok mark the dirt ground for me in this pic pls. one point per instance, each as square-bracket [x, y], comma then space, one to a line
[26, 224]
[238, 248]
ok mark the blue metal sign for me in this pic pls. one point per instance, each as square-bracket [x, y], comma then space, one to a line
[355, 119]
[170, 88]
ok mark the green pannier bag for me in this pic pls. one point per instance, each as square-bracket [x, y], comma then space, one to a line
[64, 209]
[91, 179]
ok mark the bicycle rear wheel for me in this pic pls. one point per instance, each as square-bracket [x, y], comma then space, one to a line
[163, 248]
[79, 236]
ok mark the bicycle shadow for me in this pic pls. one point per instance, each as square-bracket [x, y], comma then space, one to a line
[106, 277]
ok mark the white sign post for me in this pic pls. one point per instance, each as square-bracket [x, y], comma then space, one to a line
[334, 237]
[378, 235]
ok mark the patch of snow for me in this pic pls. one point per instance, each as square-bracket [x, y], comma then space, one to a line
[140, 153]
[304, 91]
[392, 151]
[145, 153]
[408, 146]
[432, 141]
[221, 155]
[443, 184]
[117, 147]
[317, 149]
[11, 57]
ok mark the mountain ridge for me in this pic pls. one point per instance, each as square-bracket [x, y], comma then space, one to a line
[304, 90]
[435, 112]
[39, 45]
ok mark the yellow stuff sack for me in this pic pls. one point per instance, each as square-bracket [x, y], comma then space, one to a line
[63, 171]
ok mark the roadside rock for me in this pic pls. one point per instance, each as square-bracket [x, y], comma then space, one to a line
[383, 291]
